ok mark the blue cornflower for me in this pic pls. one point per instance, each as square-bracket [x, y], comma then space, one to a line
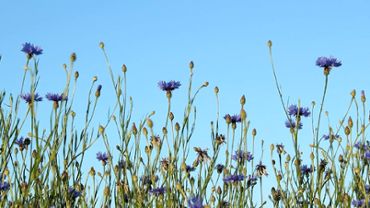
[234, 178]
[121, 164]
[367, 188]
[328, 62]
[157, 191]
[360, 145]
[22, 143]
[169, 86]
[103, 157]
[240, 156]
[358, 203]
[31, 49]
[28, 97]
[189, 168]
[306, 170]
[56, 97]
[147, 180]
[219, 168]
[292, 124]
[367, 155]
[293, 110]
[4, 186]
[73, 192]
[195, 202]
[330, 136]
[251, 181]
[234, 118]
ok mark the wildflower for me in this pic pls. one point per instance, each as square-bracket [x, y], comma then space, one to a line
[22, 143]
[367, 188]
[251, 181]
[97, 92]
[358, 203]
[4, 186]
[219, 168]
[234, 178]
[31, 50]
[156, 141]
[261, 170]
[306, 170]
[169, 86]
[328, 63]
[165, 164]
[73, 192]
[234, 118]
[202, 154]
[293, 110]
[56, 97]
[28, 98]
[330, 136]
[220, 139]
[189, 168]
[360, 145]
[157, 191]
[367, 155]
[121, 164]
[280, 149]
[292, 124]
[103, 157]
[148, 180]
[240, 156]
[195, 202]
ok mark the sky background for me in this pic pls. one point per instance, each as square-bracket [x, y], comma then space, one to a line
[225, 39]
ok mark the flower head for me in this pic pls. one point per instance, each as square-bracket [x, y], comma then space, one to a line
[367, 155]
[202, 155]
[219, 168]
[73, 192]
[103, 157]
[157, 191]
[22, 143]
[261, 170]
[358, 203]
[328, 62]
[189, 168]
[234, 178]
[195, 202]
[306, 170]
[169, 86]
[31, 49]
[4, 186]
[56, 97]
[292, 124]
[234, 118]
[280, 149]
[241, 156]
[330, 136]
[293, 110]
[251, 181]
[28, 98]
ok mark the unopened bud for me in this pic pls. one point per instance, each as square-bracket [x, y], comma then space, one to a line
[73, 57]
[124, 68]
[101, 45]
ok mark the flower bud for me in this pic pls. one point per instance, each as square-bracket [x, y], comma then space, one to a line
[191, 65]
[254, 132]
[347, 130]
[149, 122]
[73, 57]
[353, 93]
[242, 100]
[76, 75]
[171, 116]
[101, 45]
[124, 68]
[269, 43]
[216, 90]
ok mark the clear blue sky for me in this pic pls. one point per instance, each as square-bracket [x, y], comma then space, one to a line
[225, 39]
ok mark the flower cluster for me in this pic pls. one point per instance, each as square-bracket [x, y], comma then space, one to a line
[169, 86]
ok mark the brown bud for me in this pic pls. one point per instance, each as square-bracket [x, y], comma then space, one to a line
[216, 90]
[73, 57]
[124, 68]
[101, 45]
[76, 75]
[242, 100]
